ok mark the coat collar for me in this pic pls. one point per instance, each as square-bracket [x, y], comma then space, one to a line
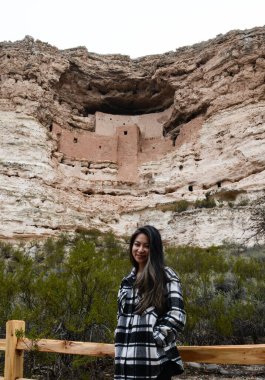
[130, 279]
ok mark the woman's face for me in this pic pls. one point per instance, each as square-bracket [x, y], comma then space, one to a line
[141, 250]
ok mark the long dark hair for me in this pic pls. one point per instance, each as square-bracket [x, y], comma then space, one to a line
[152, 282]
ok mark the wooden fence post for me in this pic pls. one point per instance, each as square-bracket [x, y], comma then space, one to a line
[13, 358]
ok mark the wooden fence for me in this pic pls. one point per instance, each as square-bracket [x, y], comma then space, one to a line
[14, 348]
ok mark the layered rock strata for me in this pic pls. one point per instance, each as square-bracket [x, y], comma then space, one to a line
[198, 121]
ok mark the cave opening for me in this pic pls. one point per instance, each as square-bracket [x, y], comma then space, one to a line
[118, 95]
[125, 105]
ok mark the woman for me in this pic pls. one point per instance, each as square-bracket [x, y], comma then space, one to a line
[150, 313]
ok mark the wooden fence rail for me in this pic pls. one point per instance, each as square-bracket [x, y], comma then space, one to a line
[14, 348]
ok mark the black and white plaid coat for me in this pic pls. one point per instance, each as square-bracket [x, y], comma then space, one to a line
[144, 342]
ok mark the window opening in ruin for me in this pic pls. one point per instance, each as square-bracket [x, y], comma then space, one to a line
[180, 167]
[219, 184]
[125, 132]
[50, 128]
[75, 140]
[100, 147]
[190, 188]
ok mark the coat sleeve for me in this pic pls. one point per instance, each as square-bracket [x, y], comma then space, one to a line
[121, 299]
[118, 302]
[173, 321]
[122, 293]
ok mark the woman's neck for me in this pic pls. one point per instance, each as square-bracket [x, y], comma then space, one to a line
[138, 274]
[140, 269]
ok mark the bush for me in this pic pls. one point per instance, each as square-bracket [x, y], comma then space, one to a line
[177, 206]
[68, 290]
[205, 203]
[224, 294]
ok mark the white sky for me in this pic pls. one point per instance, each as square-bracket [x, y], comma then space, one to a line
[132, 27]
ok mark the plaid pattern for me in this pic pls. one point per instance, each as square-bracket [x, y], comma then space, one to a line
[143, 343]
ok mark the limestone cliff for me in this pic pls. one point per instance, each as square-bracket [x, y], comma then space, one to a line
[92, 141]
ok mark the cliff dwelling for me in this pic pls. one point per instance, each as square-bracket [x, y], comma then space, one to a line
[125, 141]
[133, 138]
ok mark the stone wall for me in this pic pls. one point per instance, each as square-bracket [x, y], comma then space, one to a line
[150, 125]
[154, 148]
[128, 148]
[85, 145]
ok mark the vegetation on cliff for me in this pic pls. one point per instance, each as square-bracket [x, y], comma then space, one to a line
[67, 288]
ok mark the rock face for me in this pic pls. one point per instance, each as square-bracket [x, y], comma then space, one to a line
[92, 141]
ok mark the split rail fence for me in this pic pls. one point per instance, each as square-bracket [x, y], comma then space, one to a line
[14, 348]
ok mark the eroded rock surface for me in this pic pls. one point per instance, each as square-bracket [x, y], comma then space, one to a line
[199, 129]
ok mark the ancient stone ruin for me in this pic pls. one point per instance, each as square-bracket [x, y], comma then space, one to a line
[121, 142]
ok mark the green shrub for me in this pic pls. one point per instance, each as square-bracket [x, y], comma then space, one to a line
[205, 203]
[224, 294]
[68, 290]
[177, 206]
[243, 203]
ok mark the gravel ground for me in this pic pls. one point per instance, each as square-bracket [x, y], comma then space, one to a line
[196, 371]
[220, 377]
[217, 372]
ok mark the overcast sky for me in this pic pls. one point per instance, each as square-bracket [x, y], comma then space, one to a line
[132, 27]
